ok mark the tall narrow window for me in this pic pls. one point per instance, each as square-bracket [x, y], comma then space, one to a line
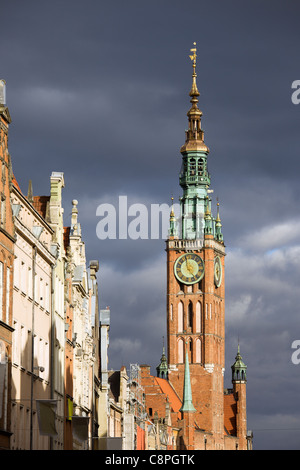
[180, 317]
[200, 166]
[198, 350]
[7, 294]
[192, 167]
[180, 350]
[190, 351]
[190, 315]
[198, 317]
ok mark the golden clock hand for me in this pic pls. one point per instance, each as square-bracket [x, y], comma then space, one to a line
[189, 267]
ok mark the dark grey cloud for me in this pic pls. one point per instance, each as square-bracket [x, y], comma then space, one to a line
[99, 90]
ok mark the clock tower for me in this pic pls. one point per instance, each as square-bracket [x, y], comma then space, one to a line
[196, 284]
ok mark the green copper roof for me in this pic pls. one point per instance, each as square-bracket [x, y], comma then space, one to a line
[162, 368]
[187, 404]
[194, 179]
[239, 368]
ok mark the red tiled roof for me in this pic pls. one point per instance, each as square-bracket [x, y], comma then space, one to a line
[168, 390]
[40, 204]
[230, 414]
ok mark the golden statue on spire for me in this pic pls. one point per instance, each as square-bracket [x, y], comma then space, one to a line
[194, 56]
[194, 91]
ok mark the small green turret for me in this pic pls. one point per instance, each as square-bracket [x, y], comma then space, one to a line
[162, 368]
[239, 369]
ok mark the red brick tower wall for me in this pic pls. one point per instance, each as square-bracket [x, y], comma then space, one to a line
[205, 327]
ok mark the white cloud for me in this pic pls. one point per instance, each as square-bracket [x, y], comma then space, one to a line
[272, 236]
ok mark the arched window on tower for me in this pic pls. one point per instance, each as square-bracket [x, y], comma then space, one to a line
[198, 350]
[200, 166]
[190, 351]
[180, 317]
[180, 346]
[190, 315]
[192, 167]
[198, 317]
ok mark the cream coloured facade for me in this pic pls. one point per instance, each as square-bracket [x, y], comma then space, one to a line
[50, 345]
[53, 213]
[84, 352]
[31, 372]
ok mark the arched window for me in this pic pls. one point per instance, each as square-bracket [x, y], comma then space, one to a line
[190, 315]
[198, 317]
[190, 351]
[198, 350]
[192, 167]
[180, 350]
[200, 166]
[180, 316]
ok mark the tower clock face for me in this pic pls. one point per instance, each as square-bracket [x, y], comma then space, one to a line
[189, 268]
[218, 271]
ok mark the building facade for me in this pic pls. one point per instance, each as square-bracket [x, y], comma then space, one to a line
[32, 321]
[84, 352]
[7, 242]
[50, 344]
[51, 209]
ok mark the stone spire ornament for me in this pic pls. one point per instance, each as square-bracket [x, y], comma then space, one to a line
[187, 402]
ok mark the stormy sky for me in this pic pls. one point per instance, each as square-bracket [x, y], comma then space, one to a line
[99, 91]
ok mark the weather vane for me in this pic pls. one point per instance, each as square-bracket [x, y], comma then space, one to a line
[194, 56]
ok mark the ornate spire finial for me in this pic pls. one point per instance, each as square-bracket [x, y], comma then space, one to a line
[194, 56]
[172, 209]
[30, 192]
[194, 91]
[218, 220]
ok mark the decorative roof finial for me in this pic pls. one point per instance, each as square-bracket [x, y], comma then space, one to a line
[218, 212]
[194, 91]
[172, 215]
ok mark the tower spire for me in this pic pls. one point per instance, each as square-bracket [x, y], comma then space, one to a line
[194, 135]
[187, 402]
[194, 176]
[194, 90]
